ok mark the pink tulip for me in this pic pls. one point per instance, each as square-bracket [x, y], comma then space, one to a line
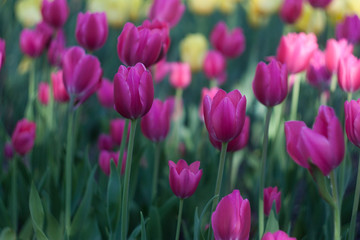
[183, 178]
[296, 50]
[319, 3]
[271, 194]
[279, 235]
[232, 218]
[105, 159]
[270, 83]
[230, 43]
[211, 93]
[133, 91]
[225, 115]
[8, 151]
[155, 124]
[352, 120]
[169, 11]
[44, 93]
[55, 12]
[34, 41]
[2, 52]
[23, 137]
[147, 43]
[335, 50]
[116, 130]
[349, 73]
[317, 74]
[82, 74]
[214, 64]
[91, 30]
[58, 87]
[57, 49]
[105, 142]
[291, 10]
[105, 93]
[160, 70]
[347, 29]
[180, 76]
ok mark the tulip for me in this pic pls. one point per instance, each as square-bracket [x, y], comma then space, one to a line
[291, 10]
[352, 117]
[23, 137]
[180, 76]
[82, 74]
[203, 7]
[116, 130]
[320, 3]
[335, 50]
[346, 28]
[214, 64]
[8, 151]
[255, 18]
[296, 50]
[147, 43]
[311, 20]
[44, 93]
[2, 52]
[57, 49]
[193, 49]
[317, 74]
[264, 7]
[183, 178]
[278, 235]
[232, 218]
[160, 70]
[337, 10]
[105, 93]
[28, 12]
[105, 142]
[156, 123]
[271, 194]
[323, 145]
[58, 87]
[349, 73]
[227, 6]
[55, 12]
[211, 93]
[230, 43]
[133, 91]
[91, 30]
[169, 11]
[105, 159]
[225, 115]
[270, 83]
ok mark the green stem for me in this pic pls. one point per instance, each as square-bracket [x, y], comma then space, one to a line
[122, 145]
[179, 219]
[263, 172]
[295, 99]
[178, 99]
[218, 182]
[125, 196]
[336, 209]
[156, 170]
[29, 111]
[14, 194]
[355, 207]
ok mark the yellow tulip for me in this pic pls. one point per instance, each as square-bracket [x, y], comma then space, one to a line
[353, 7]
[255, 18]
[336, 10]
[311, 20]
[266, 7]
[138, 9]
[202, 7]
[28, 12]
[117, 11]
[193, 49]
[227, 6]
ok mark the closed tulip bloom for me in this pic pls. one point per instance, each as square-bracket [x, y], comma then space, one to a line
[183, 178]
[8, 151]
[160, 70]
[116, 130]
[296, 50]
[82, 74]
[91, 30]
[211, 93]
[335, 50]
[349, 73]
[105, 93]
[180, 76]
[169, 11]
[23, 137]
[34, 41]
[44, 93]
[105, 159]
[28, 12]
[133, 91]
[291, 10]
[225, 115]
[58, 87]
[155, 124]
[2, 52]
[271, 195]
[55, 12]
[264, 7]
[320, 3]
[352, 120]
[230, 43]
[347, 29]
[270, 83]
[214, 64]
[105, 142]
[193, 49]
[311, 20]
[203, 7]
[57, 49]
[147, 43]
[278, 235]
[232, 218]
[317, 73]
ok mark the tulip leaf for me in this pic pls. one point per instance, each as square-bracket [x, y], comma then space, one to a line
[154, 227]
[54, 230]
[113, 197]
[37, 213]
[198, 221]
[272, 224]
[143, 230]
[139, 229]
[7, 234]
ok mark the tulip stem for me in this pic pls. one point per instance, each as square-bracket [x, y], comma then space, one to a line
[156, 170]
[14, 194]
[295, 99]
[29, 111]
[218, 183]
[337, 221]
[262, 173]
[179, 219]
[125, 196]
[355, 206]
[122, 145]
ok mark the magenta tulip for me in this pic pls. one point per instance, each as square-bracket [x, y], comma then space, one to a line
[319, 3]
[58, 87]
[55, 12]
[105, 159]
[105, 93]
[2, 52]
[214, 64]
[57, 49]
[291, 10]
[352, 120]
[183, 178]
[347, 29]
[335, 50]
[34, 41]
[116, 130]
[271, 195]
[160, 70]
[317, 73]
[349, 73]
[105, 142]
[211, 93]
[44, 93]
[180, 76]
[169, 11]
[23, 137]
[279, 235]
[232, 218]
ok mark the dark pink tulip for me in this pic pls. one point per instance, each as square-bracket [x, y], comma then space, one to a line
[279, 235]
[211, 93]
[270, 83]
[82, 74]
[55, 12]
[349, 29]
[23, 137]
[116, 130]
[291, 10]
[2, 52]
[133, 91]
[58, 87]
[34, 41]
[352, 120]
[237, 143]
[169, 11]
[214, 64]
[232, 218]
[183, 178]
[160, 70]
[349, 73]
[105, 93]
[105, 142]
[91, 30]
[180, 76]
[8, 151]
[105, 159]
[57, 49]
[155, 124]
[44, 93]
[271, 195]
[335, 50]
[225, 115]
[317, 73]
[319, 3]
[230, 43]
[147, 43]
[296, 50]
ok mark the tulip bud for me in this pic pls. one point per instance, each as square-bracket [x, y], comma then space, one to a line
[34, 41]
[57, 49]
[352, 118]
[335, 50]
[232, 218]
[183, 178]
[169, 11]
[291, 10]
[346, 30]
[116, 130]
[211, 93]
[105, 93]
[349, 73]
[23, 137]
[8, 151]
[2, 52]
[105, 142]
[317, 74]
[311, 20]
[202, 7]
[193, 49]
[28, 12]
[180, 76]
[214, 64]
[320, 3]
[160, 70]
[44, 93]
[279, 235]
[105, 159]
[55, 12]
[58, 87]
[271, 194]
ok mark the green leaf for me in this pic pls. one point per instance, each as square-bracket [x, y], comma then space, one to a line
[54, 230]
[143, 230]
[113, 198]
[154, 226]
[37, 213]
[26, 230]
[196, 224]
[272, 224]
[139, 229]
[7, 234]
